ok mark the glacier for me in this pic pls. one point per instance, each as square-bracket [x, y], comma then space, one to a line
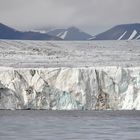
[64, 88]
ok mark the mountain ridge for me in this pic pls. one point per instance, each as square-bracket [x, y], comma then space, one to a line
[71, 33]
[120, 32]
[7, 32]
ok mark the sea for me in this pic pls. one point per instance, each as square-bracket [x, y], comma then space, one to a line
[69, 125]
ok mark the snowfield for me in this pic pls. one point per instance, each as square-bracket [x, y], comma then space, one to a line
[93, 75]
[35, 54]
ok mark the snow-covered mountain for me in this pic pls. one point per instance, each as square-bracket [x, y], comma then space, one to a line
[71, 33]
[10, 33]
[120, 32]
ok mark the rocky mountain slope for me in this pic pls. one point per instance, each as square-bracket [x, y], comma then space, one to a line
[71, 33]
[10, 33]
[120, 32]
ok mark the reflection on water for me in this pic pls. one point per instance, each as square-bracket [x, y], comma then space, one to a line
[71, 125]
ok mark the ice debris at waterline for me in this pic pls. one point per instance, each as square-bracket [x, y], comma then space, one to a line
[95, 88]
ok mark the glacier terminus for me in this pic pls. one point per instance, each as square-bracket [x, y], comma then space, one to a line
[94, 88]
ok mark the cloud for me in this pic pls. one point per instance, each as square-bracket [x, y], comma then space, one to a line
[88, 14]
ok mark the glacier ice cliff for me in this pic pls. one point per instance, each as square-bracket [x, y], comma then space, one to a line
[92, 88]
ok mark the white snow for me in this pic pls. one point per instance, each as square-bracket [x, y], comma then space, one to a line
[43, 32]
[69, 53]
[64, 35]
[138, 37]
[122, 35]
[92, 38]
[132, 35]
[39, 31]
[58, 35]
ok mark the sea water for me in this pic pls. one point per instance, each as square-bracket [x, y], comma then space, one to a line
[69, 125]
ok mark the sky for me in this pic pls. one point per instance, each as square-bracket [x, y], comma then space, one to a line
[92, 16]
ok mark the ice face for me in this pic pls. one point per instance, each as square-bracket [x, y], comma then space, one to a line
[93, 88]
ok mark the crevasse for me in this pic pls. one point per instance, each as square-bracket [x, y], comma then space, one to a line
[93, 88]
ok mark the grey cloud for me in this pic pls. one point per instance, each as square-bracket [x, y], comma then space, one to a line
[87, 14]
